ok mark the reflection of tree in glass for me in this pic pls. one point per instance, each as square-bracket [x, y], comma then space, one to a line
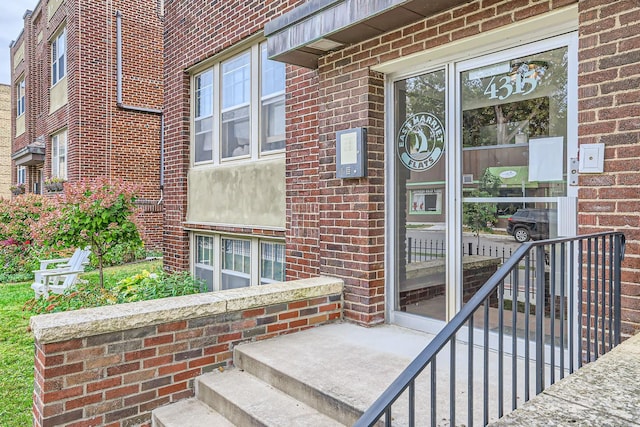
[530, 117]
[426, 94]
[542, 112]
[481, 216]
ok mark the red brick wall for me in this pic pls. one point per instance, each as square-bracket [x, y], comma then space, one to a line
[302, 175]
[609, 107]
[335, 226]
[352, 210]
[103, 140]
[118, 378]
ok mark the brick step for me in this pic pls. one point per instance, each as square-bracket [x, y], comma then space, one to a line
[189, 412]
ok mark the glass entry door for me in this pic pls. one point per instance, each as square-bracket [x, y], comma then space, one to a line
[421, 206]
[481, 166]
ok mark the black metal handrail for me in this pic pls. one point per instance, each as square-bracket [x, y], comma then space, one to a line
[583, 304]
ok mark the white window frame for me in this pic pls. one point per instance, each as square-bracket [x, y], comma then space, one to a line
[206, 264]
[240, 259]
[276, 254]
[259, 104]
[20, 97]
[59, 57]
[21, 175]
[256, 248]
[58, 141]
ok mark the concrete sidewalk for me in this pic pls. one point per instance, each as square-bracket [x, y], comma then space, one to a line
[603, 393]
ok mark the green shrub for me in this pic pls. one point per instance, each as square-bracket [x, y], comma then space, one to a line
[139, 287]
[121, 253]
[19, 252]
[147, 286]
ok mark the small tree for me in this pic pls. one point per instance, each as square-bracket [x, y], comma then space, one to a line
[99, 213]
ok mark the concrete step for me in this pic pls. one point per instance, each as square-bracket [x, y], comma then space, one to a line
[247, 401]
[339, 369]
[325, 376]
[189, 412]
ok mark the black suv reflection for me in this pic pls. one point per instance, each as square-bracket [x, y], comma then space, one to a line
[528, 224]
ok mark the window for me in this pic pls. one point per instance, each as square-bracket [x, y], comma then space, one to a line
[58, 55]
[272, 262]
[236, 263]
[240, 261]
[238, 108]
[272, 103]
[20, 96]
[21, 177]
[59, 155]
[236, 83]
[203, 122]
[204, 260]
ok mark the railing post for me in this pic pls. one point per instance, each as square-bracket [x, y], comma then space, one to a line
[409, 241]
[617, 265]
[540, 293]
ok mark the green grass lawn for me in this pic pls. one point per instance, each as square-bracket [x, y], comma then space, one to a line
[16, 343]
[16, 356]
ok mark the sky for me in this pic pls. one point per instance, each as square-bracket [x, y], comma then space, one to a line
[11, 23]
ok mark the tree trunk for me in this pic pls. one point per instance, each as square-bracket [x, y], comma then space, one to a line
[101, 271]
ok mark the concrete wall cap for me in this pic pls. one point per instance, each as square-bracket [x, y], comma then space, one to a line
[87, 322]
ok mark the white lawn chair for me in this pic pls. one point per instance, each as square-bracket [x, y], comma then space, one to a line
[56, 263]
[64, 276]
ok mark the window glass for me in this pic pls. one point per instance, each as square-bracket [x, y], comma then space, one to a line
[272, 112]
[236, 263]
[204, 260]
[58, 51]
[21, 96]
[59, 155]
[22, 175]
[236, 85]
[203, 122]
[272, 262]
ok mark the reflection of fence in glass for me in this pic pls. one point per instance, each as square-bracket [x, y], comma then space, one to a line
[419, 250]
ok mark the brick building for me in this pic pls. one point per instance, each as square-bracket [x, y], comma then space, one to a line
[87, 97]
[5, 140]
[317, 137]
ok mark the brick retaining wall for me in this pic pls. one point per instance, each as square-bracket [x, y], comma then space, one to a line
[113, 365]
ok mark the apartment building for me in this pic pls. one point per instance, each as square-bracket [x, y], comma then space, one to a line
[5, 141]
[86, 98]
[317, 137]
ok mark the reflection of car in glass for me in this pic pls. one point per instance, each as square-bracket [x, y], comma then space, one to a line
[528, 224]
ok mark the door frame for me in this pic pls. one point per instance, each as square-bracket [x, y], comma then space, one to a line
[561, 30]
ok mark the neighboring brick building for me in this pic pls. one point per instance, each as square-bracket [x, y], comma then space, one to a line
[5, 141]
[520, 86]
[87, 97]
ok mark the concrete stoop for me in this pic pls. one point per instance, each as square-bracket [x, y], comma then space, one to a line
[326, 376]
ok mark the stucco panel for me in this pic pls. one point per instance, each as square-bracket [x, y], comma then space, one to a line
[20, 125]
[243, 194]
[59, 95]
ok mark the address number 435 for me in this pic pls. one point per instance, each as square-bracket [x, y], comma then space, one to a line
[504, 87]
